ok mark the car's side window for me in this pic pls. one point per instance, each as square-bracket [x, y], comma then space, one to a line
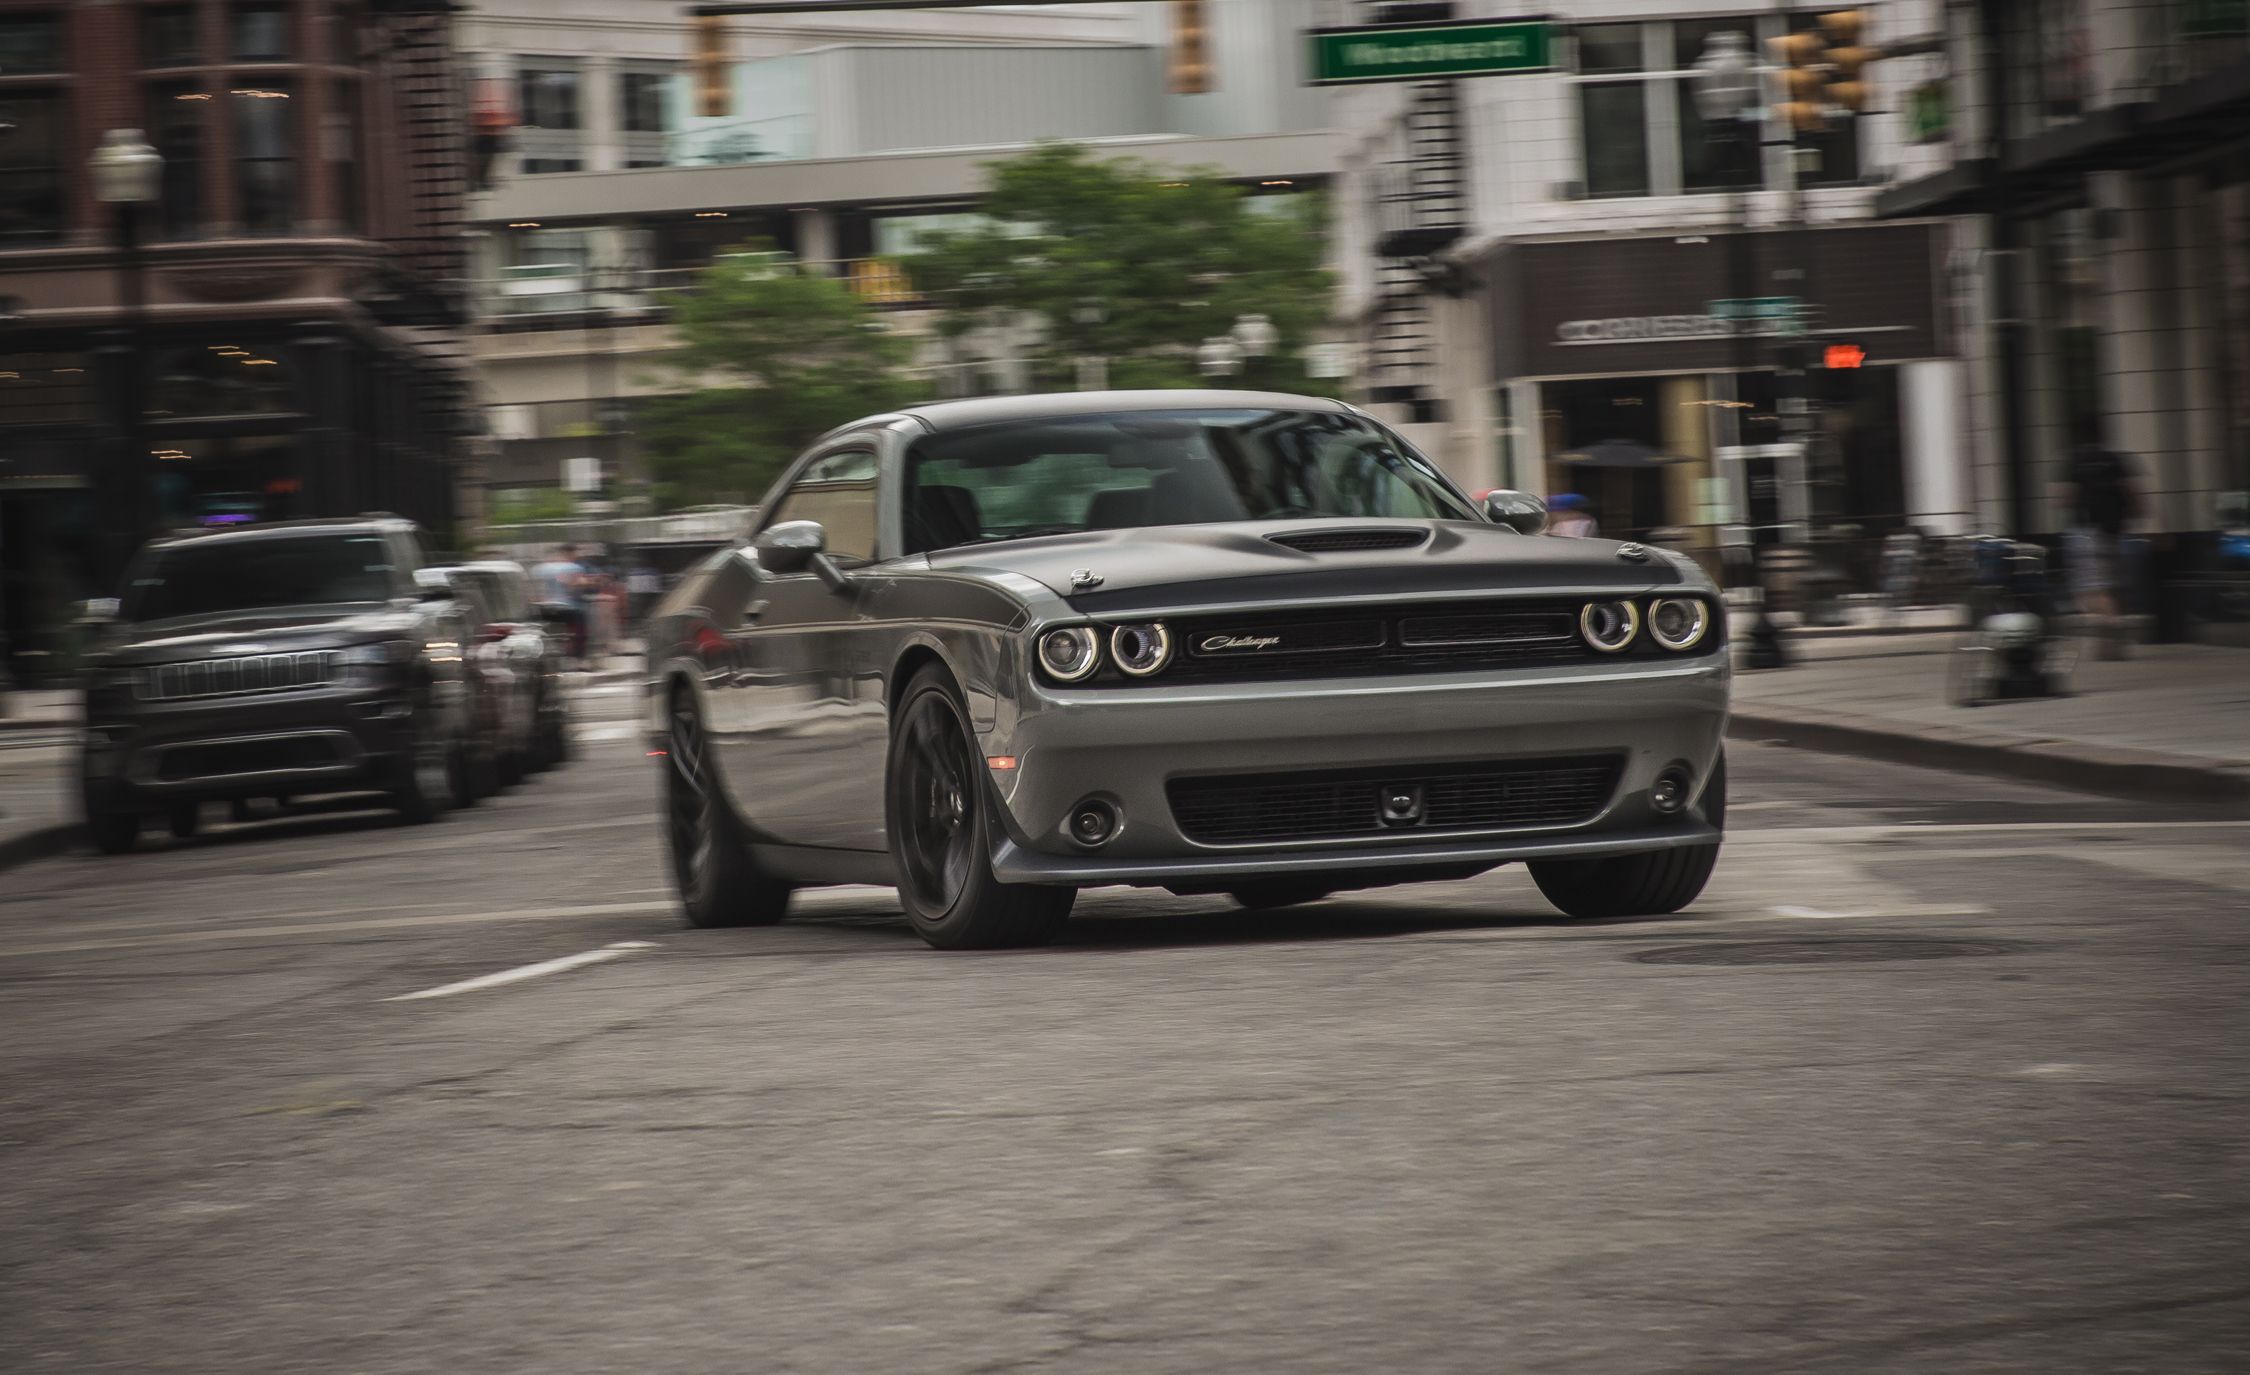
[838, 490]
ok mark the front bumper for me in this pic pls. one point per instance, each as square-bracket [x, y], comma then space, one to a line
[1125, 746]
[319, 740]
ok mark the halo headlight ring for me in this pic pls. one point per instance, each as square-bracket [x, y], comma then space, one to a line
[1140, 650]
[1679, 641]
[1070, 654]
[1609, 627]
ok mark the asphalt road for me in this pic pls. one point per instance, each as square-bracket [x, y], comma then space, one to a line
[1942, 1074]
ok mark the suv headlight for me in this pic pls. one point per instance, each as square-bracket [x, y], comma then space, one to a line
[1070, 655]
[380, 658]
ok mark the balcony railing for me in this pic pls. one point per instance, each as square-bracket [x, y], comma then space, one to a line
[562, 295]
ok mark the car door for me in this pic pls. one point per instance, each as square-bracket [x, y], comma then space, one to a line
[805, 680]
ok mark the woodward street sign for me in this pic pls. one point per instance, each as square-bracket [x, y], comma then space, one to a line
[1415, 52]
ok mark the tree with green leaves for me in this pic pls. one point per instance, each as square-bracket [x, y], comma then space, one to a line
[797, 354]
[1130, 263]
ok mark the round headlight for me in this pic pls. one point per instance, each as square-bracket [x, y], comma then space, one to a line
[1609, 626]
[1141, 649]
[1071, 654]
[1678, 623]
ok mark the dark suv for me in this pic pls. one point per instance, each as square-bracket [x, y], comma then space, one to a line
[300, 657]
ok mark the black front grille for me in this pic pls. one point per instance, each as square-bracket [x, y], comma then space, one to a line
[1266, 646]
[1351, 541]
[226, 758]
[1264, 808]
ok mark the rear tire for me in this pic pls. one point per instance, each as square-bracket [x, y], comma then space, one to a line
[1646, 885]
[720, 884]
[940, 830]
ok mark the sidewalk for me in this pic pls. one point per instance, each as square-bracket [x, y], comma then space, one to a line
[36, 736]
[2172, 722]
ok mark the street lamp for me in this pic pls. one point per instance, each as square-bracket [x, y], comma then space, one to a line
[1726, 87]
[127, 173]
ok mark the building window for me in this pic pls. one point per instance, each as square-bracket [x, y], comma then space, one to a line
[641, 101]
[31, 162]
[30, 45]
[1640, 133]
[548, 97]
[265, 157]
[342, 153]
[261, 31]
[175, 127]
[168, 37]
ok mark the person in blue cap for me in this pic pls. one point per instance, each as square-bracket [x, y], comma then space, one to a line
[1571, 516]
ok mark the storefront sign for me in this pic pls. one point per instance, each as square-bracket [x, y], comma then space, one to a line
[1418, 52]
[1644, 304]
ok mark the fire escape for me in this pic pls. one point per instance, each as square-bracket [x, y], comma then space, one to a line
[1419, 207]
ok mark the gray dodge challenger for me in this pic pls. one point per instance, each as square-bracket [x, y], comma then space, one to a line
[994, 651]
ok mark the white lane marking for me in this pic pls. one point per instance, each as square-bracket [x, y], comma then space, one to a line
[1896, 910]
[618, 950]
[1814, 913]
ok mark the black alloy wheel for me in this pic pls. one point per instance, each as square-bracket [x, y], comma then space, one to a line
[720, 885]
[940, 833]
[425, 783]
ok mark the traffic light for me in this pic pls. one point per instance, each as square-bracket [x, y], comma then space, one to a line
[1191, 49]
[1843, 356]
[713, 98]
[1822, 70]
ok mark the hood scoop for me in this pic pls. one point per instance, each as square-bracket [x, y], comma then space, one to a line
[1351, 541]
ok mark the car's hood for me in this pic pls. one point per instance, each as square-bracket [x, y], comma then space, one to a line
[1240, 560]
[273, 630]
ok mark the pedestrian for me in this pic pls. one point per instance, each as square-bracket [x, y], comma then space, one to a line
[561, 585]
[645, 585]
[2103, 501]
[1573, 517]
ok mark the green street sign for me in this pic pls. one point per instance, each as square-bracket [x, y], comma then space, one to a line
[1417, 52]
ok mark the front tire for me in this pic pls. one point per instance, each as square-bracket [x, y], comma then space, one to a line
[941, 837]
[1646, 885]
[720, 885]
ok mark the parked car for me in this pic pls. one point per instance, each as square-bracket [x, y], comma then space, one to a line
[522, 657]
[995, 651]
[271, 661]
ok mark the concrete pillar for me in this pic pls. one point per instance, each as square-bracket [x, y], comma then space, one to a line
[1528, 470]
[1934, 430]
[816, 236]
[598, 112]
[2140, 343]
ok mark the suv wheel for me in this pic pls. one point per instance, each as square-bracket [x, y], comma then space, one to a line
[425, 772]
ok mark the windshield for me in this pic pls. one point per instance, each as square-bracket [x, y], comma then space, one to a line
[203, 579]
[1118, 472]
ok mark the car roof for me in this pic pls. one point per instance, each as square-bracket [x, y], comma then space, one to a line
[284, 528]
[987, 410]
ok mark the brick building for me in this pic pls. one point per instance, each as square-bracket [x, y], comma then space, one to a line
[285, 339]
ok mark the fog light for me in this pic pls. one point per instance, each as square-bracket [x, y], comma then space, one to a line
[1669, 794]
[1093, 822]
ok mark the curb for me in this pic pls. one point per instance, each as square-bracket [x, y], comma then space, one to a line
[2149, 775]
[39, 843]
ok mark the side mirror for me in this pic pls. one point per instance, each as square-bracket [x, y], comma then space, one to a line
[1519, 511]
[432, 585]
[799, 546]
[790, 546]
[98, 609]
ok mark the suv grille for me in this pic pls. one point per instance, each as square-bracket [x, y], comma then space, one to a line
[1349, 541]
[237, 677]
[1254, 808]
[1253, 645]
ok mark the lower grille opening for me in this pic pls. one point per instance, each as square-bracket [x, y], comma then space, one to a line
[223, 758]
[1410, 799]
